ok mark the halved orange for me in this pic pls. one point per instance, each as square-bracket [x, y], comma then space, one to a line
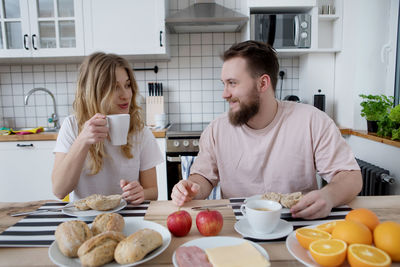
[328, 252]
[307, 235]
[367, 256]
[328, 227]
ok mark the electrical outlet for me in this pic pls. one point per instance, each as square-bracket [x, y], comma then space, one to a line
[285, 73]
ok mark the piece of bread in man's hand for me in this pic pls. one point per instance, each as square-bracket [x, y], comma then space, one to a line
[289, 200]
[286, 200]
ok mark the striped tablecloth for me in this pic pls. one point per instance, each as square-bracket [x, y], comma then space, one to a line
[337, 213]
[38, 230]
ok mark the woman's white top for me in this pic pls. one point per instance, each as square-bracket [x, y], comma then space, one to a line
[145, 151]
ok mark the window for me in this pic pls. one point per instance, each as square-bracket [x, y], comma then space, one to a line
[397, 71]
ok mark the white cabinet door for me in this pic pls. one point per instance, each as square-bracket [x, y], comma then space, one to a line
[162, 172]
[41, 28]
[26, 170]
[14, 29]
[125, 27]
[56, 28]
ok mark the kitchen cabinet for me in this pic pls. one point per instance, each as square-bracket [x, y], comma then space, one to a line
[162, 172]
[125, 27]
[26, 170]
[42, 28]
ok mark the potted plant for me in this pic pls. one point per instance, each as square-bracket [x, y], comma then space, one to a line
[394, 116]
[374, 108]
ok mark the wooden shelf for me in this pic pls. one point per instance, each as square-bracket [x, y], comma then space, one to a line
[370, 136]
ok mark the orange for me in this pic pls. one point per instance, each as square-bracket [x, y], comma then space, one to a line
[364, 216]
[360, 255]
[328, 252]
[387, 238]
[307, 235]
[327, 227]
[352, 232]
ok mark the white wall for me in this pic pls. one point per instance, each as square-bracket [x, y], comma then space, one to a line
[367, 26]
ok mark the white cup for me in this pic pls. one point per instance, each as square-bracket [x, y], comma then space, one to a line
[118, 127]
[262, 215]
[160, 120]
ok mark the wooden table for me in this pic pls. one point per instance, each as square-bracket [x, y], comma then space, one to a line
[386, 207]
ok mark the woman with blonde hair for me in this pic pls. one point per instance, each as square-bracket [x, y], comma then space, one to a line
[85, 161]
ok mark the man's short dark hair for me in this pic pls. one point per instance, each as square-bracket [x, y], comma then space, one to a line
[260, 57]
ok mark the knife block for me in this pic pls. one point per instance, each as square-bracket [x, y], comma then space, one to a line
[154, 105]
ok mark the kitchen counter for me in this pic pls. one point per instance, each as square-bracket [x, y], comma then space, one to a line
[49, 136]
[386, 207]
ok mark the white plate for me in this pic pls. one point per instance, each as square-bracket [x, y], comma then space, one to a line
[300, 253]
[70, 210]
[282, 229]
[219, 241]
[131, 225]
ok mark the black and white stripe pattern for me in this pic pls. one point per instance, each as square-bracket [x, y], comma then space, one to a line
[337, 213]
[38, 230]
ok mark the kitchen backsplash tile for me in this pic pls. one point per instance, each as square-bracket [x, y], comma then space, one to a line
[191, 80]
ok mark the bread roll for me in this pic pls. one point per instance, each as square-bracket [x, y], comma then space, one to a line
[81, 204]
[108, 222]
[99, 249]
[272, 196]
[136, 246]
[70, 235]
[289, 200]
[101, 202]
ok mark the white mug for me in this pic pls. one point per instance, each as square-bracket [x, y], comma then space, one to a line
[118, 125]
[263, 215]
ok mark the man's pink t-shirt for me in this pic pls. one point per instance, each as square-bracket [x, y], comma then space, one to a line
[283, 157]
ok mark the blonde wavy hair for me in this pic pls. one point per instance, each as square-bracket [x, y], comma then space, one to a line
[95, 88]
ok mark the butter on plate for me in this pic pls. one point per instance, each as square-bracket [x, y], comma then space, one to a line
[239, 255]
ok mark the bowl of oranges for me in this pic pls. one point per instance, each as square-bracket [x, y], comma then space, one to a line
[358, 240]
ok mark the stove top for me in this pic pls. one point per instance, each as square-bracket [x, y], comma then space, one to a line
[189, 129]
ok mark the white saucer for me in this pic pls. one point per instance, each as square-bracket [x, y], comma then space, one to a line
[283, 229]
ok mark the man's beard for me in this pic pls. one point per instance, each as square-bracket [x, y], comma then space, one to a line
[246, 110]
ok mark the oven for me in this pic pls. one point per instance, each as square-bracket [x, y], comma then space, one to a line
[182, 140]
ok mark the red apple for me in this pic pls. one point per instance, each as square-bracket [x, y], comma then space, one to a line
[209, 222]
[179, 223]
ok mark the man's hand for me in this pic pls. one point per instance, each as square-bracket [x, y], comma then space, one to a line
[132, 191]
[184, 191]
[313, 205]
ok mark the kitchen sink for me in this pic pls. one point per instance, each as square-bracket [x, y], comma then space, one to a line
[45, 129]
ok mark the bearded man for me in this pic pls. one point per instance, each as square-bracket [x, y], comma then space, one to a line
[265, 145]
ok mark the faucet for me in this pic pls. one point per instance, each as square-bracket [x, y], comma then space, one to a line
[54, 116]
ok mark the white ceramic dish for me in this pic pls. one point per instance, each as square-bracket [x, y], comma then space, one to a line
[283, 229]
[302, 254]
[70, 210]
[218, 241]
[131, 225]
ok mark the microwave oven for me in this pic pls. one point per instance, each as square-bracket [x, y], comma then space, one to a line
[281, 30]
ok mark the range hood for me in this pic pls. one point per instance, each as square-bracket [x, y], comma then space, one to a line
[205, 17]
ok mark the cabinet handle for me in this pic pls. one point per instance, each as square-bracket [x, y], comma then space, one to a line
[173, 159]
[25, 41]
[23, 145]
[33, 41]
[161, 45]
